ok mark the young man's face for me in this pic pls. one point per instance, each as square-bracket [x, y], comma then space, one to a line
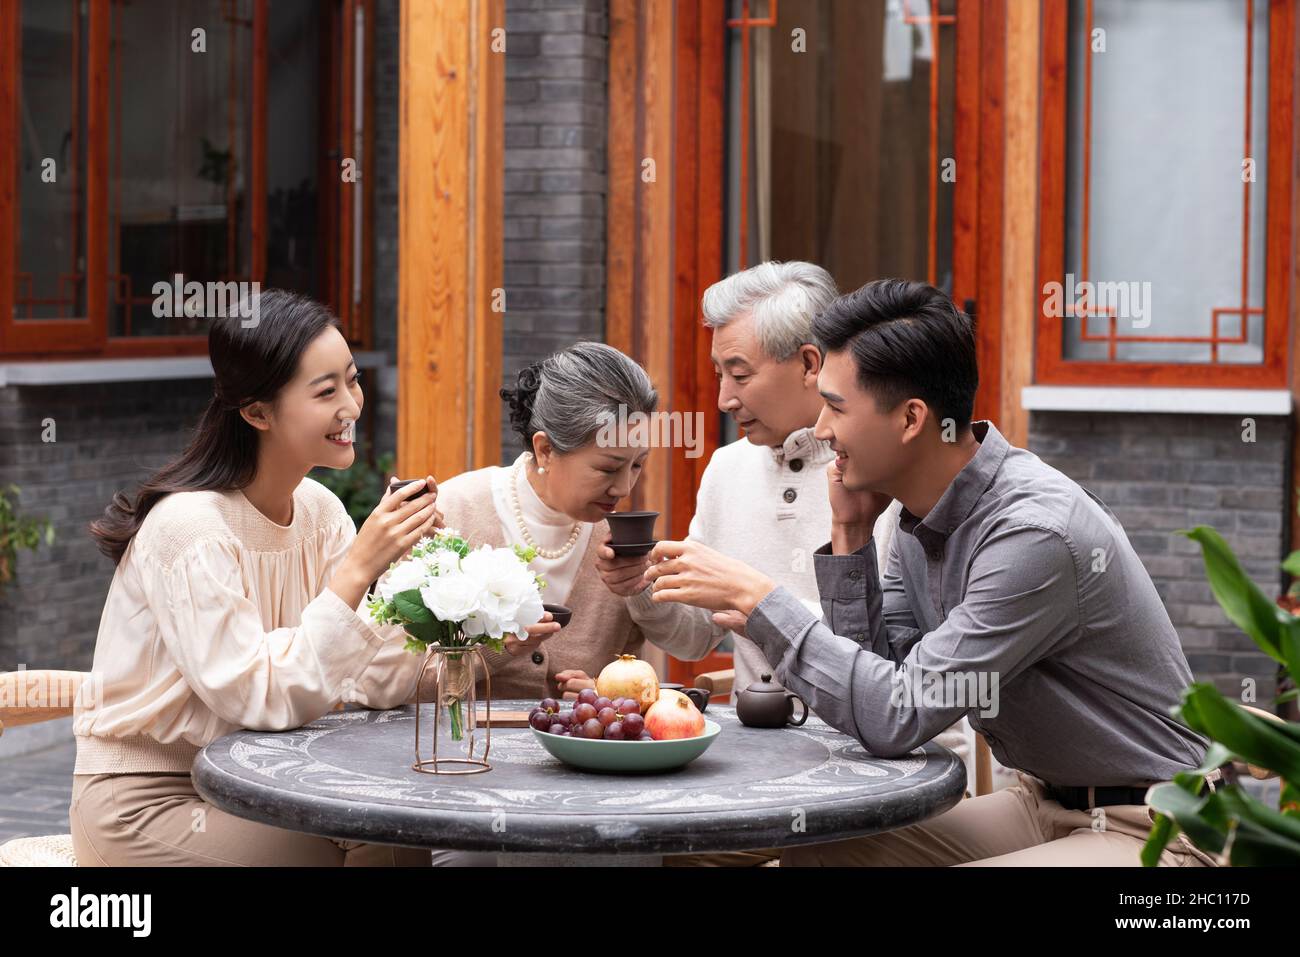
[867, 441]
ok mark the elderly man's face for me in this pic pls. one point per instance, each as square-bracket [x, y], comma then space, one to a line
[768, 399]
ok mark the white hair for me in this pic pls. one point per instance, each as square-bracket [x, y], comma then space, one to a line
[782, 297]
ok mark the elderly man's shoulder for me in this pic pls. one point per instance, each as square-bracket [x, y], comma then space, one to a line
[739, 454]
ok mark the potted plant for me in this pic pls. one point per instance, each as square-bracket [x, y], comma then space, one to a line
[17, 532]
[1227, 821]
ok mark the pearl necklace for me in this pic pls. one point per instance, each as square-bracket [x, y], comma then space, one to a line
[550, 553]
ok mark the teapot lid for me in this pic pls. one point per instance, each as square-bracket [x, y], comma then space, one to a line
[765, 685]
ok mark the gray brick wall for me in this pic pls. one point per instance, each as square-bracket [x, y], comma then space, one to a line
[108, 437]
[382, 387]
[556, 102]
[1161, 473]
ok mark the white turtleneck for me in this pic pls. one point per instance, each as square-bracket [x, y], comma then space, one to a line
[549, 528]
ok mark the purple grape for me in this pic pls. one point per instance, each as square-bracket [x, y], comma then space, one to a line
[614, 732]
[633, 725]
[601, 703]
[630, 706]
[551, 705]
[593, 729]
[557, 729]
[540, 720]
[645, 736]
[587, 696]
[584, 712]
[607, 716]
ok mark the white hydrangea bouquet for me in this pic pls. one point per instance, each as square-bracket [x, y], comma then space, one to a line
[446, 594]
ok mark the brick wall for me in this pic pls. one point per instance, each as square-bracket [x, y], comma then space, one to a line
[108, 437]
[1161, 473]
[556, 102]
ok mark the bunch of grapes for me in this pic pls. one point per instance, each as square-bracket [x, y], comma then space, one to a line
[592, 716]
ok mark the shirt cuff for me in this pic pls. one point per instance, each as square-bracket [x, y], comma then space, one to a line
[778, 624]
[329, 603]
[840, 577]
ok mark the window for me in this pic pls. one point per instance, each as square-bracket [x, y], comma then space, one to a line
[1166, 192]
[162, 138]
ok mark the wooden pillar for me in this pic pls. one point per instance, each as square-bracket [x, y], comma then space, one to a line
[1020, 215]
[642, 179]
[450, 208]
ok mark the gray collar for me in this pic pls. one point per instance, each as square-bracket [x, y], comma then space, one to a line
[960, 497]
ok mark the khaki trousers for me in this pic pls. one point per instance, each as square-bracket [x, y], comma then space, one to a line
[159, 820]
[1017, 826]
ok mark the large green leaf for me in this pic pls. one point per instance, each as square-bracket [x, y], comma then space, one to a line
[1243, 807]
[1255, 846]
[1188, 810]
[1162, 832]
[1255, 740]
[1245, 605]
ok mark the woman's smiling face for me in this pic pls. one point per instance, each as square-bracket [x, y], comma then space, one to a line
[312, 421]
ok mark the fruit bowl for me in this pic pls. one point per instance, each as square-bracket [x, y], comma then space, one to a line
[599, 754]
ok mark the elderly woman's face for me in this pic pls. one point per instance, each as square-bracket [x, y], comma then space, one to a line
[588, 483]
[768, 399]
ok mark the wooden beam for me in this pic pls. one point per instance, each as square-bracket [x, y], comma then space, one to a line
[1020, 207]
[449, 236]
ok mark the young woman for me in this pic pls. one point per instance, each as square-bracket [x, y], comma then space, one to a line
[234, 602]
[554, 498]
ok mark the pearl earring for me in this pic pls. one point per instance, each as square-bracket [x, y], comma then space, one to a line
[541, 470]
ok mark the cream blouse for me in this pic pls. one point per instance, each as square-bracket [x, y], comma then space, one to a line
[217, 618]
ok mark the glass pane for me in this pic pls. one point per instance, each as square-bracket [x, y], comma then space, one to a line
[178, 154]
[1166, 198]
[841, 170]
[50, 228]
[293, 85]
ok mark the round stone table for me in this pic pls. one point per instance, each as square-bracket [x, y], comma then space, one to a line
[348, 776]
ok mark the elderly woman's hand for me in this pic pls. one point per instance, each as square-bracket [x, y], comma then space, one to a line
[546, 628]
[571, 681]
[623, 576]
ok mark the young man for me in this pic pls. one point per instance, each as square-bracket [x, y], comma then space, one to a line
[1005, 576]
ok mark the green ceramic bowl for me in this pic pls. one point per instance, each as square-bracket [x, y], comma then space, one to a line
[591, 754]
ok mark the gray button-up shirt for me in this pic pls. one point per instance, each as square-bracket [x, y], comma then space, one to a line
[1017, 602]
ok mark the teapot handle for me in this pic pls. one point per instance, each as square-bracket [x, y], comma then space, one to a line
[791, 698]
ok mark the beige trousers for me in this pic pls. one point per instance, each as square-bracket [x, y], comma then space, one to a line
[1015, 827]
[159, 820]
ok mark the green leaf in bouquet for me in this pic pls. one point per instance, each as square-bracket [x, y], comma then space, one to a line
[1240, 598]
[411, 606]
[430, 632]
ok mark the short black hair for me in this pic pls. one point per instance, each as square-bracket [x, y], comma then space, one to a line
[908, 340]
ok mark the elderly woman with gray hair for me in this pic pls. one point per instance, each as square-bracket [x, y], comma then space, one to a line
[553, 498]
